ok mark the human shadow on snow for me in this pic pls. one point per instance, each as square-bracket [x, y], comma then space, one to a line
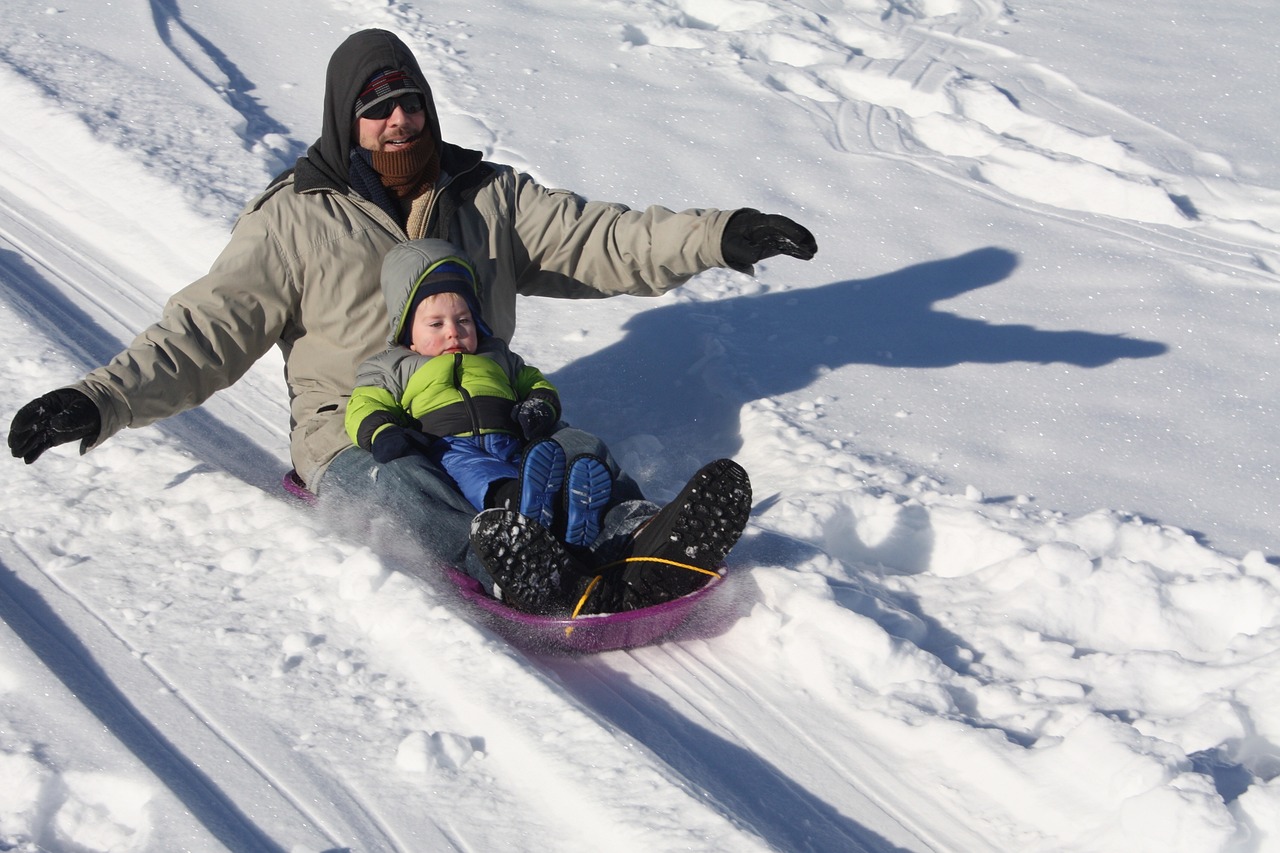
[684, 370]
[229, 82]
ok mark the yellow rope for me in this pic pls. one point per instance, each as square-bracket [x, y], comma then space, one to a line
[698, 569]
[582, 602]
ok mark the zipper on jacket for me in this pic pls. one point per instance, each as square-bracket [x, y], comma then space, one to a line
[466, 395]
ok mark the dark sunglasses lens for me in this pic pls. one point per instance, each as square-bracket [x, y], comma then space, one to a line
[383, 109]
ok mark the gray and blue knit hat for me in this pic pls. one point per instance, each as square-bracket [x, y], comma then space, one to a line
[450, 276]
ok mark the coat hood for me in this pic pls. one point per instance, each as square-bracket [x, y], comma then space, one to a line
[419, 268]
[358, 58]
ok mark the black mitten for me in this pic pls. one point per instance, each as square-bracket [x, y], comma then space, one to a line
[751, 236]
[56, 418]
[395, 442]
[536, 416]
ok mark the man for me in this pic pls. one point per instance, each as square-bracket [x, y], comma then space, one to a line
[301, 272]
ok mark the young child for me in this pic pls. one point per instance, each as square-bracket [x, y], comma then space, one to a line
[446, 390]
[449, 393]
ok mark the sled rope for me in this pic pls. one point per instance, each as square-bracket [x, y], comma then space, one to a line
[698, 569]
[582, 602]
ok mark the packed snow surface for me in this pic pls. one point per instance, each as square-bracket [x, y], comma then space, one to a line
[1010, 581]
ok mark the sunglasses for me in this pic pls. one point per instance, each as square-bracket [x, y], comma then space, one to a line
[411, 104]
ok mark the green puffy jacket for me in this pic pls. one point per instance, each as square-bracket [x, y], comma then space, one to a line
[450, 394]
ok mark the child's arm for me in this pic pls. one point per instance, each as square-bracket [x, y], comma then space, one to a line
[370, 410]
[376, 418]
[377, 423]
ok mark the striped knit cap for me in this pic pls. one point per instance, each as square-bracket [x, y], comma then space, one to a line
[388, 83]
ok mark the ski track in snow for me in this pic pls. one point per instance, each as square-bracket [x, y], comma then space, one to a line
[860, 600]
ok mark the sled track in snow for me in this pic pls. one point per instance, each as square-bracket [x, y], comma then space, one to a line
[697, 712]
[55, 282]
[240, 795]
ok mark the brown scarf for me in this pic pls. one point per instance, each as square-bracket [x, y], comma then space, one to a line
[411, 171]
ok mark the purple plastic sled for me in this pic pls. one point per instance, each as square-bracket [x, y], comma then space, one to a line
[586, 634]
[296, 488]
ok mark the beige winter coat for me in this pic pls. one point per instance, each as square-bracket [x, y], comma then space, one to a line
[301, 272]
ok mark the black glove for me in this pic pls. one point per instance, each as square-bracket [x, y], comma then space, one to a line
[751, 236]
[536, 416]
[56, 418]
[397, 441]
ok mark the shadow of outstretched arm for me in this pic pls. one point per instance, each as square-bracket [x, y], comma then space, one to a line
[700, 363]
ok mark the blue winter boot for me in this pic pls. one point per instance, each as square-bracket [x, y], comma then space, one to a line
[541, 479]
[587, 492]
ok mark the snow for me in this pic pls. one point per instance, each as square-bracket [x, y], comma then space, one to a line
[1011, 580]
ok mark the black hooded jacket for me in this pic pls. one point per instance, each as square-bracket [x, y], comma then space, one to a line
[327, 162]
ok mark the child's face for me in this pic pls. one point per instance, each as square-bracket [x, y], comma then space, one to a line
[443, 323]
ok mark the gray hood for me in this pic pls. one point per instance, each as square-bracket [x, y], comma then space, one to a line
[419, 268]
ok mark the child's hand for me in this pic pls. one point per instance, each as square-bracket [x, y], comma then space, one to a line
[536, 416]
[395, 442]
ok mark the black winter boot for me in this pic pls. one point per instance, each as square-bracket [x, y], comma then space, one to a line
[696, 530]
[534, 571]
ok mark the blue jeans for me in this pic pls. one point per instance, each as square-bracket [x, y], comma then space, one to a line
[380, 504]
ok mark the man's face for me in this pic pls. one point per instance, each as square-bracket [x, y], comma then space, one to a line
[393, 133]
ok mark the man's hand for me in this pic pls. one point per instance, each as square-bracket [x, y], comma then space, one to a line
[751, 236]
[56, 418]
